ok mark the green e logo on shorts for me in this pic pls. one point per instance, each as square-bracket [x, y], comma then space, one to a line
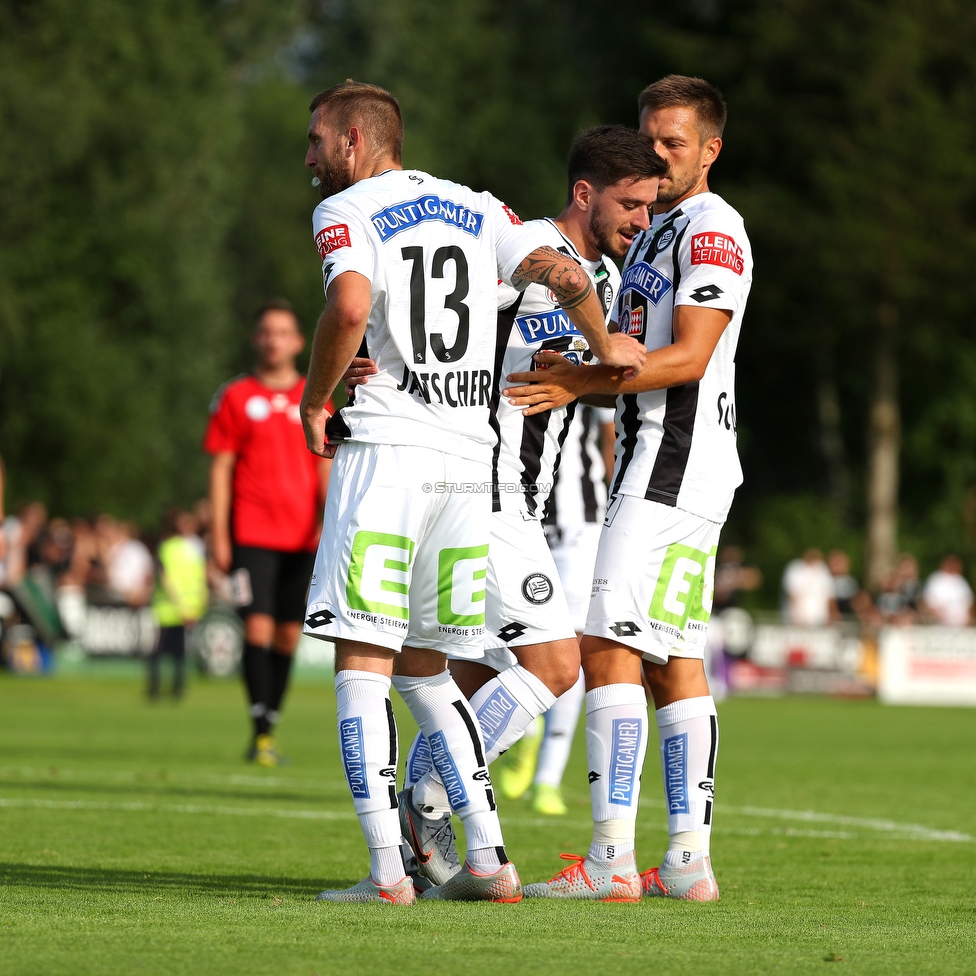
[379, 574]
[684, 586]
[461, 577]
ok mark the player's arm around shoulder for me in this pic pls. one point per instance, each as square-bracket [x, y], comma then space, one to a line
[571, 284]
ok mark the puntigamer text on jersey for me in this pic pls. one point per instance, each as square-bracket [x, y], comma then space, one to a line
[392, 220]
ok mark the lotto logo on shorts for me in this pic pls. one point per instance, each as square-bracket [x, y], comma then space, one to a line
[353, 756]
[717, 249]
[330, 239]
[443, 762]
[494, 716]
[624, 774]
[676, 773]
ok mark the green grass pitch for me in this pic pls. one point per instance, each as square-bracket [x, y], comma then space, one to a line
[134, 839]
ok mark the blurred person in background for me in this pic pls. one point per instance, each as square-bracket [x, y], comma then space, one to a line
[899, 599]
[809, 591]
[947, 597]
[266, 497]
[129, 569]
[180, 597]
[846, 587]
[3, 537]
[21, 532]
[732, 577]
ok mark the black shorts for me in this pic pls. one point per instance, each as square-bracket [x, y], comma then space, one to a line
[279, 581]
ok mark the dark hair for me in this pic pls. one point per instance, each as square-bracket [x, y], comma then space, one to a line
[274, 305]
[371, 108]
[608, 154]
[695, 93]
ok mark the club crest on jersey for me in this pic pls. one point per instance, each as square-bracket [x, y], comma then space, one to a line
[330, 239]
[403, 216]
[648, 281]
[537, 326]
[717, 249]
[631, 321]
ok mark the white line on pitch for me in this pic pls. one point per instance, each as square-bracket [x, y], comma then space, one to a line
[911, 831]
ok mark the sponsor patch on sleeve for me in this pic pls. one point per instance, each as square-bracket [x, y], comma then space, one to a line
[512, 215]
[718, 249]
[330, 239]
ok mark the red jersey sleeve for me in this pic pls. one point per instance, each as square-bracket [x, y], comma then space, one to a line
[223, 432]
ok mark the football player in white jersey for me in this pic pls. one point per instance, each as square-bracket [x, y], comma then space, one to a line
[683, 292]
[410, 265]
[531, 654]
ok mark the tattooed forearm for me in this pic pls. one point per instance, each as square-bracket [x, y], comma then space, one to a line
[566, 279]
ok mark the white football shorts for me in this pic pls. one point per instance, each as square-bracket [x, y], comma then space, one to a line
[575, 556]
[402, 561]
[653, 579]
[525, 603]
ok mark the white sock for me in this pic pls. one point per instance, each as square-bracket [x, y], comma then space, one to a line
[418, 761]
[486, 860]
[561, 722]
[457, 753]
[386, 865]
[507, 705]
[616, 742]
[689, 745]
[368, 747]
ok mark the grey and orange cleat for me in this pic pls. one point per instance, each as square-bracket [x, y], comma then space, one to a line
[402, 893]
[592, 880]
[470, 885]
[692, 882]
[432, 841]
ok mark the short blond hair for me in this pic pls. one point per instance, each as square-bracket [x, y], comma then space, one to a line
[368, 107]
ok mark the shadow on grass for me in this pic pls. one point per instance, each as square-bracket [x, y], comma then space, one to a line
[123, 881]
[159, 790]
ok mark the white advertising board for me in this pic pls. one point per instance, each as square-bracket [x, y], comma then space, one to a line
[927, 666]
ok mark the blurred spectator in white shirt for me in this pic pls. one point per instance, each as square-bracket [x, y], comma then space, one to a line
[809, 590]
[21, 533]
[129, 568]
[947, 597]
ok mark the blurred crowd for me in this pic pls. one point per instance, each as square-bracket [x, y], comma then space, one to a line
[110, 559]
[818, 590]
[53, 569]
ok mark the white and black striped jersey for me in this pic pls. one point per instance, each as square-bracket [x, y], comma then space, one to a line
[433, 252]
[677, 446]
[526, 454]
[580, 491]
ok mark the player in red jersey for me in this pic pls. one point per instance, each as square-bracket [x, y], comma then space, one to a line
[266, 491]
